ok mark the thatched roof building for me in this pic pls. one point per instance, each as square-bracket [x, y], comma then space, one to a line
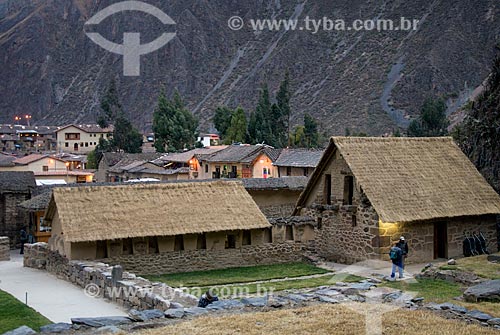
[367, 192]
[97, 213]
[413, 179]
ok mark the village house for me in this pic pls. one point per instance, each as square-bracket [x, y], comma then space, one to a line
[367, 192]
[188, 160]
[297, 162]
[240, 161]
[33, 210]
[209, 140]
[164, 227]
[120, 166]
[46, 167]
[81, 138]
[15, 187]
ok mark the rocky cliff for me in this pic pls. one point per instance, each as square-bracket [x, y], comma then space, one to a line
[367, 81]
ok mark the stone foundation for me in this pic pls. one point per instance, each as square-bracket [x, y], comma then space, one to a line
[4, 249]
[200, 260]
[127, 290]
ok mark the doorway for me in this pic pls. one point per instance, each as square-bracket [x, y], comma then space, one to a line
[440, 240]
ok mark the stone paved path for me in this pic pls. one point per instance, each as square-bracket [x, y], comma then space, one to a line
[56, 299]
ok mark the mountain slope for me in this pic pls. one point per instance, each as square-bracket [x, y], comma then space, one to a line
[368, 81]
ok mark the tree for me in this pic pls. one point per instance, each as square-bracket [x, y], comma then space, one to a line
[298, 137]
[92, 162]
[222, 120]
[237, 131]
[174, 126]
[261, 121]
[282, 113]
[311, 131]
[125, 137]
[432, 121]
[110, 106]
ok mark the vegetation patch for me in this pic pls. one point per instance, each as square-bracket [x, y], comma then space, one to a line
[14, 314]
[320, 319]
[432, 290]
[478, 265]
[237, 275]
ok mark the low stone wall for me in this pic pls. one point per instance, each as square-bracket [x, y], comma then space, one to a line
[4, 248]
[199, 260]
[105, 281]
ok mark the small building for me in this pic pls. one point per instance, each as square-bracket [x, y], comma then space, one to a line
[81, 138]
[240, 161]
[367, 192]
[15, 188]
[209, 140]
[164, 226]
[297, 162]
[117, 167]
[35, 209]
[191, 160]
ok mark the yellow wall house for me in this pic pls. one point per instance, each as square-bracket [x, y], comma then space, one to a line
[81, 138]
[46, 167]
[99, 222]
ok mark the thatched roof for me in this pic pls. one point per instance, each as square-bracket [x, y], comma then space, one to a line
[17, 181]
[37, 203]
[413, 179]
[103, 213]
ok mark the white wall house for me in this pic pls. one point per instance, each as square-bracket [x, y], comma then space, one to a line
[81, 138]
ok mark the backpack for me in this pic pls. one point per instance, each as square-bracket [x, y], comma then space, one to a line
[395, 253]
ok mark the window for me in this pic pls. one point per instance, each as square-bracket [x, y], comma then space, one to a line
[45, 168]
[72, 136]
[81, 144]
[206, 168]
[86, 144]
[354, 221]
[288, 171]
[201, 244]
[320, 222]
[66, 144]
[289, 233]
[348, 190]
[327, 193]
[231, 241]
[128, 248]
[306, 172]
[234, 172]
[247, 237]
[179, 243]
[153, 245]
[268, 235]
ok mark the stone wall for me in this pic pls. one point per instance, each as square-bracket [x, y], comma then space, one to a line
[105, 281]
[420, 236]
[199, 260]
[11, 218]
[4, 248]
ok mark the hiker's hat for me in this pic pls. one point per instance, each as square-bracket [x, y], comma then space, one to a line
[402, 238]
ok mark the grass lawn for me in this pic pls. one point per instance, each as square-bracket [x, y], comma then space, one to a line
[320, 319]
[432, 290]
[478, 265]
[14, 314]
[237, 275]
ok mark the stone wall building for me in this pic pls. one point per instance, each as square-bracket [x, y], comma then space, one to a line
[367, 192]
[15, 187]
[165, 227]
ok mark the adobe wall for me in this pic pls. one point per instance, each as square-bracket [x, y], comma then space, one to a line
[274, 204]
[11, 218]
[4, 248]
[199, 260]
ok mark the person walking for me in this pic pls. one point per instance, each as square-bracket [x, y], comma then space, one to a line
[24, 238]
[403, 245]
[396, 256]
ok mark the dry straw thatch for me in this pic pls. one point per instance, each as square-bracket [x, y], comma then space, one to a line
[114, 212]
[414, 179]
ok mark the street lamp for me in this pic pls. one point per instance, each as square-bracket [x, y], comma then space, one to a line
[17, 119]
[28, 118]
